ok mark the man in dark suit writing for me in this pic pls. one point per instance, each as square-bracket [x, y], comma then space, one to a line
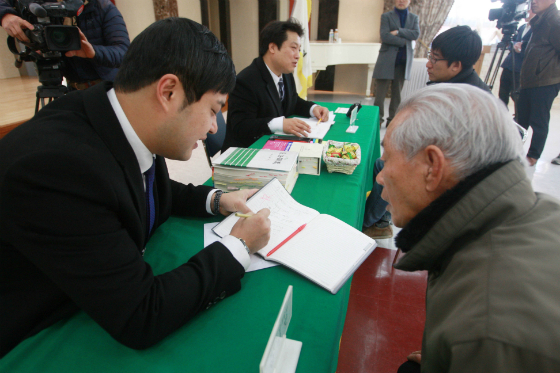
[265, 92]
[84, 185]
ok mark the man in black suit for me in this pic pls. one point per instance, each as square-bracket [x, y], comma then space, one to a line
[84, 185]
[265, 92]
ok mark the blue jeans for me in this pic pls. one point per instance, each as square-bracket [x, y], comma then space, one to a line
[376, 212]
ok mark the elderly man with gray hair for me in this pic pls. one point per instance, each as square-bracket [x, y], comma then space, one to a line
[454, 180]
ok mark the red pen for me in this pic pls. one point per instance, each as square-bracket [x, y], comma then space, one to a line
[286, 240]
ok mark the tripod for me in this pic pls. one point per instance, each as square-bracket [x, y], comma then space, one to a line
[506, 44]
[50, 76]
[49, 69]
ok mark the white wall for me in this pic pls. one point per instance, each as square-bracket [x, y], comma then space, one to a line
[358, 21]
[137, 14]
[190, 9]
[7, 68]
[244, 32]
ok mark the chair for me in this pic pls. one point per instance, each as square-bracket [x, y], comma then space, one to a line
[214, 142]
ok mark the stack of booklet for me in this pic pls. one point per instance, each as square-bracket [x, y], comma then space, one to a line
[245, 168]
[320, 247]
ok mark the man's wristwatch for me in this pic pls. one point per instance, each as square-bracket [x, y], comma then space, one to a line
[217, 197]
[245, 246]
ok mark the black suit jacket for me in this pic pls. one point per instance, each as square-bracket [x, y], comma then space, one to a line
[255, 101]
[72, 230]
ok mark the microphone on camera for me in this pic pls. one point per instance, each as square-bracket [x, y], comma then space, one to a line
[38, 10]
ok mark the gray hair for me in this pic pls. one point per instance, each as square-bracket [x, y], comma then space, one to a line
[471, 127]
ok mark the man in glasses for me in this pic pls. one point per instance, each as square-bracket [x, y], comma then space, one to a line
[453, 55]
[451, 60]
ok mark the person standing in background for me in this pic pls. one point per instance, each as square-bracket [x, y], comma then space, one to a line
[104, 40]
[512, 64]
[399, 28]
[540, 75]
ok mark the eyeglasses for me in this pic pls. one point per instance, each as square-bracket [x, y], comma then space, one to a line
[434, 60]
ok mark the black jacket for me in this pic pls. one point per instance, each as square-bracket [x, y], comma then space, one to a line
[255, 101]
[467, 76]
[508, 62]
[72, 230]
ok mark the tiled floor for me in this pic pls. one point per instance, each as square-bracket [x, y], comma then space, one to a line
[386, 313]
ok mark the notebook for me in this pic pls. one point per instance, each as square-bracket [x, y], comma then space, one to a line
[327, 250]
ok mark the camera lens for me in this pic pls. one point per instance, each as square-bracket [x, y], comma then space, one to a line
[61, 38]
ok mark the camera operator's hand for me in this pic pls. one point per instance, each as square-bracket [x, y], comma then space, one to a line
[86, 51]
[517, 46]
[14, 26]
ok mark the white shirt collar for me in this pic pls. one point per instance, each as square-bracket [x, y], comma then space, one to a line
[144, 156]
[275, 78]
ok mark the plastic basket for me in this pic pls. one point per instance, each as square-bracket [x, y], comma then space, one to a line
[345, 166]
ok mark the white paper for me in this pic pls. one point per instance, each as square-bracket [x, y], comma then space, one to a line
[318, 130]
[256, 261]
[342, 110]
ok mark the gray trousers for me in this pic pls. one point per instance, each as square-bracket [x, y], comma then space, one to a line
[396, 87]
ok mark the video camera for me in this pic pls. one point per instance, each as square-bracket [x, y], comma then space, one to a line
[47, 40]
[509, 15]
[49, 33]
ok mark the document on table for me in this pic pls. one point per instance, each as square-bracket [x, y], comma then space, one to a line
[318, 130]
[257, 262]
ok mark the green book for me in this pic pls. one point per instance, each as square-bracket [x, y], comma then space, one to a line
[247, 168]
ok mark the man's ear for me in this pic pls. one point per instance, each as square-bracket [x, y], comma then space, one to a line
[457, 66]
[168, 92]
[272, 47]
[435, 167]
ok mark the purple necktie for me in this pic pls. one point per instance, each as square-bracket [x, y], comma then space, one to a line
[150, 206]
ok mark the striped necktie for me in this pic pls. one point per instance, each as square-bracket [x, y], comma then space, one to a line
[281, 89]
[150, 205]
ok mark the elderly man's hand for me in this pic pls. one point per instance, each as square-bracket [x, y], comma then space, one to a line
[14, 26]
[321, 112]
[86, 51]
[416, 356]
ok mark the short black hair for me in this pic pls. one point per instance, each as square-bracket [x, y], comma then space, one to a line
[182, 47]
[459, 43]
[277, 32]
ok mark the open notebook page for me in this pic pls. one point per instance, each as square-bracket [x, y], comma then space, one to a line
[286, 214]
[327, 251]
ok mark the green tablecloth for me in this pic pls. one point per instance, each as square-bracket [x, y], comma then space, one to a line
[230, 337]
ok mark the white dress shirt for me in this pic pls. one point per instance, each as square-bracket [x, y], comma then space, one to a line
[146, 158]
[277, 124]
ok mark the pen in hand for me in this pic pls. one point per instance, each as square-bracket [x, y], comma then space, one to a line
[240, 215]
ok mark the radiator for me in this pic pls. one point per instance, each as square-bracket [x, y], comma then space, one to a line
[418, 77]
